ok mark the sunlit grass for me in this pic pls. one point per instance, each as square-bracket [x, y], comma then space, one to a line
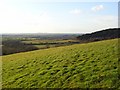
[92, 65]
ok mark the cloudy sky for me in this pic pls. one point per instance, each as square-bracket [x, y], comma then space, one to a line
[32, 16]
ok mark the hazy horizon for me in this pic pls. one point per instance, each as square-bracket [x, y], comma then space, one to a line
[57, 17]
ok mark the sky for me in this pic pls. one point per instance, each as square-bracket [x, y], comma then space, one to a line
[33, 16]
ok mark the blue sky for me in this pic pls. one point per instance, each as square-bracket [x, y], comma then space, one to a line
[27, 16]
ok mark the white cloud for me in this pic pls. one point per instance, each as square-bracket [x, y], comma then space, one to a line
[103, 22]
[106, 18]
[97, 8]
[75, 11]
[95, 23]
[14, 20]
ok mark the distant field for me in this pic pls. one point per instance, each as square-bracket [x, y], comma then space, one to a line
[43, 44]
[29, 44]
[90, 65]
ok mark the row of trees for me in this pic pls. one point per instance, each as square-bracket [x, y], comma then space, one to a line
[15, 46]
[100, 35]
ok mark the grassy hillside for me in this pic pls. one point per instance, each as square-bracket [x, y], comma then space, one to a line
[92, 65]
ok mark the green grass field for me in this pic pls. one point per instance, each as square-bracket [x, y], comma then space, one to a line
[42, 44]
[90, 65]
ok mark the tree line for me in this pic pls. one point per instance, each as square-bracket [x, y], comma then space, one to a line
[15, 46]
[100, 35]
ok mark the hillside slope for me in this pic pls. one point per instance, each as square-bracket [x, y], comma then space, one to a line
[100, 35]
[92, 65]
